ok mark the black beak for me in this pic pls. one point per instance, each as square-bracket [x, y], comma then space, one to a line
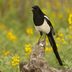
[32, 8]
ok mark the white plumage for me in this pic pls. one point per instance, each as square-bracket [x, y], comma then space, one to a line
[44, 27]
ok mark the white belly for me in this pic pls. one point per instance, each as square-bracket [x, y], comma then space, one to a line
[44, 27]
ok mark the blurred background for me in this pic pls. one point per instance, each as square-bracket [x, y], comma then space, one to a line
[18, 35]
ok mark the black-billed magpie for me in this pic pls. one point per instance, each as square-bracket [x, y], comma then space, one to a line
[43, 25]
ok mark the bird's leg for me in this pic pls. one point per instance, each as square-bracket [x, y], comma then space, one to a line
[44, 43]
[40, 37]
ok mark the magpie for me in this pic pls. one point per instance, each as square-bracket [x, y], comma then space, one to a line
[43, 25]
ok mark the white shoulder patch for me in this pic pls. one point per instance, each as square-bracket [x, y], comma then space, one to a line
[46, 17]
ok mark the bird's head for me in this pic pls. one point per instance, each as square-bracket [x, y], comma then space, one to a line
[36, 10]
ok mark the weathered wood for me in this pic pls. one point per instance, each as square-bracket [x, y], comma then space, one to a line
[37, 62]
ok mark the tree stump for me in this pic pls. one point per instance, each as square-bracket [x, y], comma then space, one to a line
[37, 62]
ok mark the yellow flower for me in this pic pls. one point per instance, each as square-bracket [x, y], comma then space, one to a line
[15, 60]
[70, 36]
[70, 27]
[28, 48]
[48, 49]
[11, 36]
[58, 39]
[64, 41]
[28, 45]
[29, 31]
[70, 18]
[6, 53]
[61, 34]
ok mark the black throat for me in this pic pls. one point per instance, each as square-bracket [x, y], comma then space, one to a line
[38, 18]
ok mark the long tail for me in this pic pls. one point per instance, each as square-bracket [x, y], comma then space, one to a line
[53, 44]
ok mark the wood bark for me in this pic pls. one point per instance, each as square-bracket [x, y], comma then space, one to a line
[37, 62]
